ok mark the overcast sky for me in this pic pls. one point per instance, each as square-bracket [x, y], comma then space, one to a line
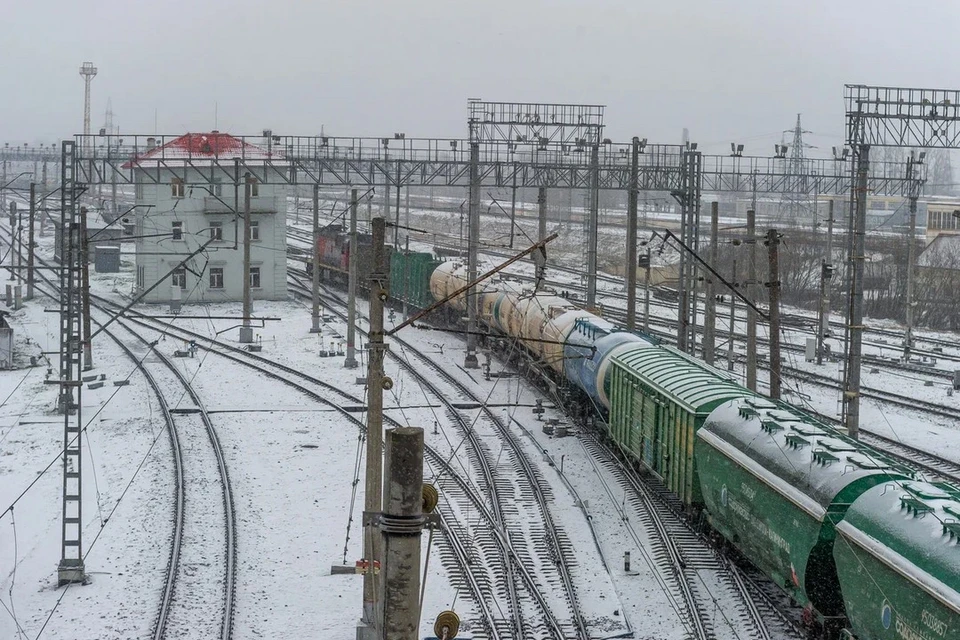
[734, 70]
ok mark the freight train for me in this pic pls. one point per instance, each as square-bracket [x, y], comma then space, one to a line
[866, 546]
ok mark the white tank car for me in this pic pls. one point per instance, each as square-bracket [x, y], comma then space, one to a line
[510, 316]
[539, 312]
[556, 332]
[446, 279]
[491, 298]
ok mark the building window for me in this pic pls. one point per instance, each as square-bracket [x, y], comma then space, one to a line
[254, 231]
[254, 277]
[176, 188]
[138, 191]
[179, 277]
[216, 231]
[254, 188]
[216, 277]
[177, 230]
[141, 273]
[216, 187]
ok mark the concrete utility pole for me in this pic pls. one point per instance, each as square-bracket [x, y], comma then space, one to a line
[406, 277]
[315, 276]
[733, 318]
[751, 314]
[826, 273]
[376, 383]
[854, 354]
[31, 245]
[914, 186]
[351, 361]
[541, 214]
[710, 314]
[85, 288]
[513, 204]
[406, 209]
[593, 222]
[13, 241]
[473, 242]
[396, 224]
[401, 524]
[773, 254]
[246, 331]
[19, 251]
[631, 261]
[646, 293]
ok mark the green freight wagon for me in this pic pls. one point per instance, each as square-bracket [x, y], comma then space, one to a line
[775, 484]
[898, 560]
[659, 397]
[410, 277]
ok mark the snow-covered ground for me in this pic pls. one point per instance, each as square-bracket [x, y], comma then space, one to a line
[292, 464]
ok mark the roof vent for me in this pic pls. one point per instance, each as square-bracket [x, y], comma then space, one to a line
[151, 143]
[952, 527]
[914, 506]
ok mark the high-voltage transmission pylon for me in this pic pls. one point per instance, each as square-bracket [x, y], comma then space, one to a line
[795, 199]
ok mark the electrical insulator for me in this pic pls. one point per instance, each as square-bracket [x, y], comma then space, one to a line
[430, 498]
[447, 625]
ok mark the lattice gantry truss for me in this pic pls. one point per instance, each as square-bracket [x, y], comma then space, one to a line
[567, 126]
[372, 162]
[901, 117]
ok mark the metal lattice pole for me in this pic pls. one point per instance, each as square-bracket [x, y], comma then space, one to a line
[71, 567]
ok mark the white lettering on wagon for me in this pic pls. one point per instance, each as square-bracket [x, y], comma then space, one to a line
[758, 525]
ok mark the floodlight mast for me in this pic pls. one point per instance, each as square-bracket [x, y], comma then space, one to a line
[88, 72]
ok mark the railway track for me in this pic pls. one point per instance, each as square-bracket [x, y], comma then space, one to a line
[202, 495]
[201, 490]
[795, 320]
[490, 584]
[705, 584]
[524, 491]
[792, 322]
[719, 600]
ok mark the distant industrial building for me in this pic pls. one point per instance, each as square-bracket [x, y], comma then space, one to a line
[183, 203]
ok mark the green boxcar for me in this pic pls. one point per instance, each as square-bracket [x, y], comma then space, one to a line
[410, 277]
[898, 560]
[659, 397]
[775, 484]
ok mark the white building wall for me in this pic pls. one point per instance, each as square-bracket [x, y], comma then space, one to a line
[158, 253]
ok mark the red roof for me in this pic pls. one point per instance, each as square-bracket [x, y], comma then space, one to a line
[200, 146]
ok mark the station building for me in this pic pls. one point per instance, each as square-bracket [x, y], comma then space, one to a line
[190, 210]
